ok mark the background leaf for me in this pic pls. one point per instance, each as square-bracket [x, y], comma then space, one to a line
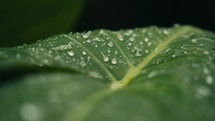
[27, 21]
[146, 74]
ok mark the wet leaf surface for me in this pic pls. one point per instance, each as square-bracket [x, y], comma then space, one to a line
[143, 74]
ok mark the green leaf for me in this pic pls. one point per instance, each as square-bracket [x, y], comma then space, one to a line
[26, 21]
[147, 74]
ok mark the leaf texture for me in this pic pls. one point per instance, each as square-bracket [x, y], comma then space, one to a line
[144, 74]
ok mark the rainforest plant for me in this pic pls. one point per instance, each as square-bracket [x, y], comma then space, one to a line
[142, 74]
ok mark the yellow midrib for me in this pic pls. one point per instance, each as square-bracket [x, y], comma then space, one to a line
[134, 71]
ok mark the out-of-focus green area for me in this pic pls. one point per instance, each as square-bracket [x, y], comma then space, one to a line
[25, 21]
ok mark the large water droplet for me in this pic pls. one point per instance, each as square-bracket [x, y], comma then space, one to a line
[106, 59]
[18, 55]
[71, 53]
[95, 74]
[146, 51]
[149, 44]
[119, 36]
[114, 61]
[166, 31]
[203, 91]
[146, 39]
[83, 63]
[206, 52]
[174, 55]
[129, 44]
[194, 40]
[128, 33]
[88, 41]
[31, 112]
[84, 53]
[131, 39]
[110, 44]
[209, 79]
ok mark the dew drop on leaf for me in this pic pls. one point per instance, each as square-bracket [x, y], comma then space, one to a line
[129, 44]
[174, 55]
[71, 53]
[106, 59]
[31, 112]
[166, 32]
[209, 79]
[88, 41]
[84, 53]
[18, 55]
[83, 63]
[119, 36]
[193, 40]
[95, 74]
[146, 39]
[206, 52]
[131, 39]
[114, 61]
[146, 51]
[202, 91]
[149, 44]
[110, 44]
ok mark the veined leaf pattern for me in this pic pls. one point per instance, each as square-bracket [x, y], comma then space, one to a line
[172, 65]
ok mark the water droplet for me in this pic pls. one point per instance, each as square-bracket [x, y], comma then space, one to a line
[131, 39]
[205, 70]
[146, 51]
[83, 63]
[18, 55]
[31, 112]
[166, 32]
[71, 53]
[128, 33]
[146, 39]
[64, 47]
[88, 41]
[152, 74]
[202, 91]
[167, 50]
[106, 59]
[129, 44]
[119, 36]
[116, 52]
[88, 58]
[101, 32]
[84, 53]
[209, 79]
[193, 40]
[174, 55]
[110, 44]
[114, 61]
[206, 52]
[149, 44]
[95, 74]
[86, 35]
[137, 51]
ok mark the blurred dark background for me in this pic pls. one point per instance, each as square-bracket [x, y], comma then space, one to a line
[26, 21]
[118, 14]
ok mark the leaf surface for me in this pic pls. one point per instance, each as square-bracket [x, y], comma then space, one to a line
[147, 74]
